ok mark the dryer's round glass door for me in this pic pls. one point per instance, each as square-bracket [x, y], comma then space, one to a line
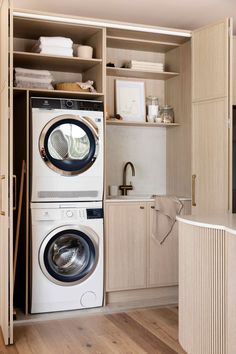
[70, 256]
[69, 145]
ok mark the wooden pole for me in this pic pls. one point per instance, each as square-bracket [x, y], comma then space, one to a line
[22, 181]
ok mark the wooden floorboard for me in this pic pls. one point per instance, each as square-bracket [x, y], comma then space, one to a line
[150, 331]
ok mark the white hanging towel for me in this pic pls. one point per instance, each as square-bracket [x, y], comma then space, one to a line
[166, 210]
[56, 41]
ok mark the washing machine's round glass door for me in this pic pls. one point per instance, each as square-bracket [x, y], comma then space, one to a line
[68, 256]
[69, 144]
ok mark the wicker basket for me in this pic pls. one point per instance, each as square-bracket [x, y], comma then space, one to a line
[70, 86]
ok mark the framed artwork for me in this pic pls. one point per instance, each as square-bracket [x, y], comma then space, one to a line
[130, 100]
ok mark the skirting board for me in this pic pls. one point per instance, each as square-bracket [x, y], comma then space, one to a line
[143, 297]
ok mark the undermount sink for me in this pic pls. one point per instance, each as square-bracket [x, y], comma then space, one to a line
[132, 196]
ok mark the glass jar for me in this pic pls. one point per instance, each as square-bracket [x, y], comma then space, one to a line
[167, 114]
[152, 108]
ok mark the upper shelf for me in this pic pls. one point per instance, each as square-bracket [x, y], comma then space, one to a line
[53, 62]
[139, 44]
[144, 74]
[150, 36]
[34, 28]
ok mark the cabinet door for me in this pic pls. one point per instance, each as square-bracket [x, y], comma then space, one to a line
[6, 237]
[163, 259]
[162, 267]
[210, 156]
[126, 248]
[211, 110]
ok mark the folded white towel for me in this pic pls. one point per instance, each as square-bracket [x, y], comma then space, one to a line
[45, 80]
[33, 73]
[33, 85]
[56, 41]
[144, 62]
[142, 68]
[53, 50]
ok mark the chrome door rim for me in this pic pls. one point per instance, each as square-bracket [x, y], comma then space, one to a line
[88, 232]
[87, 122]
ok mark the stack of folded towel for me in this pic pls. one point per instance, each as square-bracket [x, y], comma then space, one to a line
[28, 78]
[145, 65]
[54, 46]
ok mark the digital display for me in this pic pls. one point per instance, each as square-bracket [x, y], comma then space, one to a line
[94, 213]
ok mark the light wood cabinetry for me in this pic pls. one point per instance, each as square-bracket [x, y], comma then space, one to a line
[210, 49]
[6, 220]
[211, 113]
[126, 246]
[129, 242]
[68, 69]
[210, 156]
[234, 71]
[178, 141]
[123, 46]
[162, 267]
[134, 257]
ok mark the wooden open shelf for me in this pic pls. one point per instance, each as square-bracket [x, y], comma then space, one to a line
[58, 93]
[139, 44]
[149, 36]
[141, 124]
[53, 62]
[34, 28]
[144, 74]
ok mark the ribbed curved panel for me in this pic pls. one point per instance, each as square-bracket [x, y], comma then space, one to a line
[202, 294]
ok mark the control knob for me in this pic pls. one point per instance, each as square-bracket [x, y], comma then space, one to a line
[69, 104]
[69, 213]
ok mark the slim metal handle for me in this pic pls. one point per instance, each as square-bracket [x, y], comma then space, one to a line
[152, 207]
[2, 177]
[193, 190]
[15, 194]
[141, 207]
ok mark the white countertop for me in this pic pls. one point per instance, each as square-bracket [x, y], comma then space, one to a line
[137, 198]
[226, 222]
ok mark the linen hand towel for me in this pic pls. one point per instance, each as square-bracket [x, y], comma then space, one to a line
[166, 209]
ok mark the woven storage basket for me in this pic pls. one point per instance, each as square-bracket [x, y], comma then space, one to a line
[70, 86]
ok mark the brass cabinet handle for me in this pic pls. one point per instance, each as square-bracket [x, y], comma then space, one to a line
[141, 207]
[193, 190]
[2, 177]
[15, 192]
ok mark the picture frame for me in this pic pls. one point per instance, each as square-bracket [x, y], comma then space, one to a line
[130, 100]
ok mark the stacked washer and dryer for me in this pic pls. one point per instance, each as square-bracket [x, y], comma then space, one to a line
[67, 168]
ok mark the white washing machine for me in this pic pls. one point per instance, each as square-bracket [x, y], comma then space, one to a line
[66, 150]
[66, 256]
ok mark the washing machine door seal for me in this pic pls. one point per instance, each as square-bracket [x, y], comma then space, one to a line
[69, 254]
[68, 144]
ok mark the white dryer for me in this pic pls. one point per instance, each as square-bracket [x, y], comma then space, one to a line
[66, 150]
[66, 256]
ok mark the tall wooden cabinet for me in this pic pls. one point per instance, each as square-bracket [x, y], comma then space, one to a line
[211, 110]
[6, 175]
[211, 114]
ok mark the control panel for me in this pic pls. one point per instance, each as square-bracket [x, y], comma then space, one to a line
[62, 103]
